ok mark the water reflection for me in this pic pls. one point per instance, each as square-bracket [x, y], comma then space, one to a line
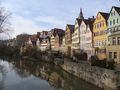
[29, 75]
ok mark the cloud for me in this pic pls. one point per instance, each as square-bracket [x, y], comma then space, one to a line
[22, 24]
[50, 20]
[31, 16]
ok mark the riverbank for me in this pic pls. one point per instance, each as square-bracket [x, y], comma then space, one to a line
[101, 77]
[33, 75]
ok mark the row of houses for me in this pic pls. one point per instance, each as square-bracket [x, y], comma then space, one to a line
[46, 40]
[99, 35]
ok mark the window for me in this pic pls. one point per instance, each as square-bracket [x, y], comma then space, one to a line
[99, 43]
[114, 21]
[114, 41]
[114, 12]
[105, 42]
[103, 24]
[95, 26]
[118, 40]
[110, 54]
[117, 20]
[98, 25]
[115, 55]
[110, 22]
[102, 43]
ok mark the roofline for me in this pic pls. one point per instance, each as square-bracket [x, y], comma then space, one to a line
[111, 10]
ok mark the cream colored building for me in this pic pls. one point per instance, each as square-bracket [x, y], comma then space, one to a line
[113, 50]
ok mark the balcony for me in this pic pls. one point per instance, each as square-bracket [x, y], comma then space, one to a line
[114, 32]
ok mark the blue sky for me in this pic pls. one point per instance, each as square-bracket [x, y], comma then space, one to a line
[31, 16]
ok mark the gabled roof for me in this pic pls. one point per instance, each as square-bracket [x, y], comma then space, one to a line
[86, 21]
[58, 31]
[71, 27]
[33, 37]
[105, 15]
[90, 23]
[116, 8]
[79, 21]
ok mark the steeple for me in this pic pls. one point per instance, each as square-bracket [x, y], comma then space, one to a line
[81, 14]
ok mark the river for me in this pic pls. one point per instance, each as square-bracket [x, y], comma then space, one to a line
[33, 75]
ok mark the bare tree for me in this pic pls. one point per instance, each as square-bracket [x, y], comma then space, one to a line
[5, 26]
[4, 20]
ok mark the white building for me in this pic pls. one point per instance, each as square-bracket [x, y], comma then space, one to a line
[43, 44]
[86, 36]
[76, 33]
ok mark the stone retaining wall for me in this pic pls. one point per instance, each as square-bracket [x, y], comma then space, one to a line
[104, 78]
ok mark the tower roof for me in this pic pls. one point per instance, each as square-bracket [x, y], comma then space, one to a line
[81, 14]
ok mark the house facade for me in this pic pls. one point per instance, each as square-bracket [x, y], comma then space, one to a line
[44, 44]
[76, 33]
[52, 41]
[56, 38]
[100, 34]
[113, 50]
[86, 36]
[83, 29]
[41, 40]
[68, 38]
[63, 46]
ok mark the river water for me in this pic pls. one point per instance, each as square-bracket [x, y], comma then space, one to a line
[32, 75]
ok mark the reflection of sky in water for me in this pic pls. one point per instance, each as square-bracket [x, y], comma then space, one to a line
[22, 75]
[14, 82]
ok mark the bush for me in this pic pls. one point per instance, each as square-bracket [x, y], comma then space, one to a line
[94, 61]
[110, 63]
[80, 56]
[9, 51]
[31, 52]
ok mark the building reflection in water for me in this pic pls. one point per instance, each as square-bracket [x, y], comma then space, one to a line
[55, 76]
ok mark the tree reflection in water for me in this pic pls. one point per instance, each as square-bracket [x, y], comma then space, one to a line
[55, 76]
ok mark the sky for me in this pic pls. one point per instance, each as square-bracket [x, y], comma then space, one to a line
[32, 16]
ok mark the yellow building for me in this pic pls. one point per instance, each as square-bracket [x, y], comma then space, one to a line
[100, 34]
